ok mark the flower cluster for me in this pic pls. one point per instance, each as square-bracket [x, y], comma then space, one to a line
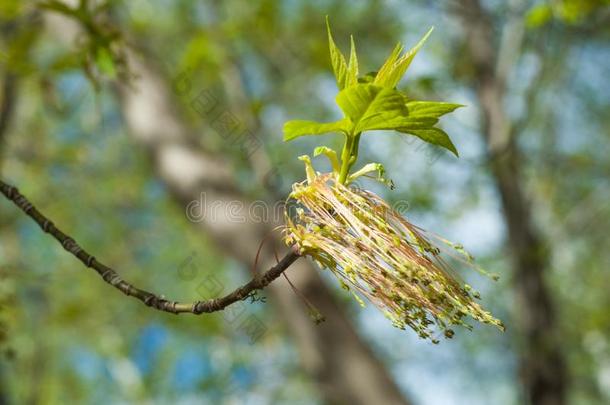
[377, 254]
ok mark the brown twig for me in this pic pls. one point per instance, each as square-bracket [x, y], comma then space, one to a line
[111, 277]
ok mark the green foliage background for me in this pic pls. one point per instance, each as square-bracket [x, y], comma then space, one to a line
[68, 338]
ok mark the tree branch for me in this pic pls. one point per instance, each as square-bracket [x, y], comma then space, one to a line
[152, 300]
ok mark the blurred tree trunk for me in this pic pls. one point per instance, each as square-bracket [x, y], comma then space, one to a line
[542, 365]
[332, 353]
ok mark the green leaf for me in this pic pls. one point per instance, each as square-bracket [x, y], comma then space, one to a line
[435, 136]
[337, 59]
[421, 115]
[430, 108]
[352, 67]
[296, 128]
[388, 65]
[394, 68]
[105, 62]
[369, 106]
[404, 123]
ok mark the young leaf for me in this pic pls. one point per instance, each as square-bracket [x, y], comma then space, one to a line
[388, 66]
[434, 109]
[394, 68]
[352, 67]
[337, 59]
[296, 128]
[435, 136]
[421, 115]
[401, 123]
[369, 106]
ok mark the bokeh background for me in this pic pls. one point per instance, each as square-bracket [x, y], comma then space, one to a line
[115, 115]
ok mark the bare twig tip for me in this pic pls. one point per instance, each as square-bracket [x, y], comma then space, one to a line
[111, 277]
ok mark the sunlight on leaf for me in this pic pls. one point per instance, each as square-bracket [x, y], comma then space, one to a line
[394, 68]
[296, 128]
[352, 67]
[337, 59]
[434, 109]
[368, 105]
[435, 136]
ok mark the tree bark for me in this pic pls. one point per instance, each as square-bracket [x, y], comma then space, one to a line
[542, 365]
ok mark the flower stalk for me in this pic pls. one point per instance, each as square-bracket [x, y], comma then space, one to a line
[349, 155]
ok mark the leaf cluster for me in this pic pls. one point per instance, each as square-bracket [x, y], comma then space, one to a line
[373, 102]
